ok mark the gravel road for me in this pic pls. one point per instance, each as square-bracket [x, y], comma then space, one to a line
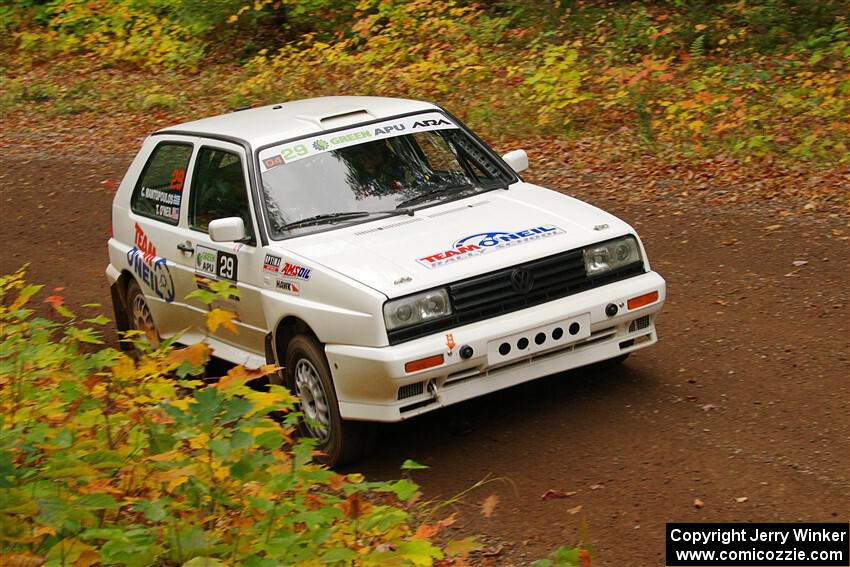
[743, 404]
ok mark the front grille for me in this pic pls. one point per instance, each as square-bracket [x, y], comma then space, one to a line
[639, 324]
[490, 295]
[410, 390]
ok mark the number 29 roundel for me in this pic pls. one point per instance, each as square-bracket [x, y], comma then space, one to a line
[215, 263]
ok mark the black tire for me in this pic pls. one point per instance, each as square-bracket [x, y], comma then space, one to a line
[139, 316]
[308, 376]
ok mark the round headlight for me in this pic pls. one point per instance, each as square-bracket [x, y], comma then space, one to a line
[404, 312]
[622, 251]
[432, 305]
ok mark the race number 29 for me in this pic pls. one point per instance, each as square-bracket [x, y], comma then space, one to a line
[227, 266]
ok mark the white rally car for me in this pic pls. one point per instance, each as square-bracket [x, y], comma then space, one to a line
[385, 257]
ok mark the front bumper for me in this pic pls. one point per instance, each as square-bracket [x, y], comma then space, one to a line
[372, 385]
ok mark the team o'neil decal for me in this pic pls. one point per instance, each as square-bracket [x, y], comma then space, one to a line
[484, 242]
[216, 264]
[151, 269]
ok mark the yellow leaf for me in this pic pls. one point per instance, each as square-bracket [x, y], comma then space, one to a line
[221, 318]
[196, 354]
[124, 369]
[239, 375]
[696, 125]
[575, 510]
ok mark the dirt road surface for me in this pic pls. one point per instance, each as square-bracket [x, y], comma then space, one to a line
[743, 404]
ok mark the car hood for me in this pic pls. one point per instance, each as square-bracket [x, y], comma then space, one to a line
[449, 242]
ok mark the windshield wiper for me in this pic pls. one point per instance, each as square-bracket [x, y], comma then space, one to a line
[448, 190]
[330, 218]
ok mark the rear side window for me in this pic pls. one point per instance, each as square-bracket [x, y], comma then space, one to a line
[159, 191]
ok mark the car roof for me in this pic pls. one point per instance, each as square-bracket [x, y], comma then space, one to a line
[277, 122]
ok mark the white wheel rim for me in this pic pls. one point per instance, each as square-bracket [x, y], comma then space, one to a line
[314, 402]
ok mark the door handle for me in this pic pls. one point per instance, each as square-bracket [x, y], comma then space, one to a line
[186, 247]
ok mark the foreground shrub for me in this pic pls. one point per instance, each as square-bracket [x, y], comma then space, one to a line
[104, 460]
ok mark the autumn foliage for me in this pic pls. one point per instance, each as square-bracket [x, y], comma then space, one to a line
[113, 461]
[746, 78]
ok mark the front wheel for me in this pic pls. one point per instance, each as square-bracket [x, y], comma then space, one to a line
[309, 377]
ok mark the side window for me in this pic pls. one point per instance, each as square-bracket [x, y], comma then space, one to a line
[218, 189]
[159, 191]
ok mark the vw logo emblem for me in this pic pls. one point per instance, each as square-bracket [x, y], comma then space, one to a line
[522, 281]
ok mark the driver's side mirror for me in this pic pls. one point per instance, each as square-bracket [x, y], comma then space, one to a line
[230, 229]
[517, 159]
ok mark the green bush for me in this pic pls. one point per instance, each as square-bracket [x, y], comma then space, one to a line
[108, 460]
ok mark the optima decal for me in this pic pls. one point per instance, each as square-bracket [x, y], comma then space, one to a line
[271, 264]
[485, 242]
[151, 270]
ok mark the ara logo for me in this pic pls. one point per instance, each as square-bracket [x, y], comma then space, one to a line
[431, 122]
[485, 242]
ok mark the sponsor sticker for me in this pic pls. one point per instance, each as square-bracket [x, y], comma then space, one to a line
[215, 264]
[288, 287]
[151, 270]
[314, 145]
[291, 270]
[485, 242]
[271, 263]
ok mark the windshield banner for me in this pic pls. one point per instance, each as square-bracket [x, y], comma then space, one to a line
[326, 142]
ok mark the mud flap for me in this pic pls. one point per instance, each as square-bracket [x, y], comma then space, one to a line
[119, 308]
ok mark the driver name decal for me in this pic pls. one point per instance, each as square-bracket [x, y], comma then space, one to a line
[484, 242]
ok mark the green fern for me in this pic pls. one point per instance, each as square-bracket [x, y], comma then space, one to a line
[697, 48]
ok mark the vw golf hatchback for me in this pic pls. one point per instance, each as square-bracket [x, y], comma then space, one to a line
[385, 257]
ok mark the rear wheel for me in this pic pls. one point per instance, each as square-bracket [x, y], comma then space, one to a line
[139, 314]
[309, 377]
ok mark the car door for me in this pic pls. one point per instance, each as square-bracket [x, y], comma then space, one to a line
[219, 189]
[157, 206]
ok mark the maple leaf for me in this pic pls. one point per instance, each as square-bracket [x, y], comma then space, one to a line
[195, 355]
[221, 318]
[239, 375]
[488, 506]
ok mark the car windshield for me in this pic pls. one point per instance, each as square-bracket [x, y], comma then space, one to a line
[365, 172]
